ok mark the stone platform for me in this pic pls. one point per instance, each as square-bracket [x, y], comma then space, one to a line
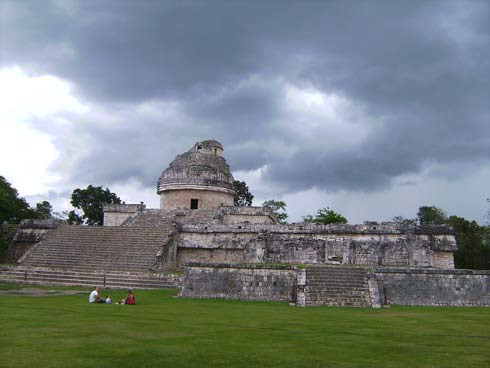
[87, 278]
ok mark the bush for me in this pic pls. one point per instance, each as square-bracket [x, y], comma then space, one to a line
[7, 233]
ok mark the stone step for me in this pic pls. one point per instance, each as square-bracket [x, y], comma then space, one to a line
[332, 272]
[329, 297]
[335, 290]
[113, 280]
[89, 253]
[147, 284]
[95, 260]
[20, 269]
[84, 276]
[336, 286]
[340, 303]
[97, 247]
[336, 299]
[121, 285]
[336, 280]
[336, 277]
[98, 267]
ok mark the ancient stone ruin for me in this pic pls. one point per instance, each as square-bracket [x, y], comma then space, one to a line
[243, 252]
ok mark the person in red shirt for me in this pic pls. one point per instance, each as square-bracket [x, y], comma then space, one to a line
[130, 298]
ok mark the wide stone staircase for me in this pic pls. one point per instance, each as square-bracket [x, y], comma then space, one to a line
[89, 255]
[337, 286]
[105, 279]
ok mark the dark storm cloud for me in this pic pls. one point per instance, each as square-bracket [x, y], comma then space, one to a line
[420, 68]
[101, 153]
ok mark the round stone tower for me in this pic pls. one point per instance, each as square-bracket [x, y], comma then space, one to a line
[199, 178]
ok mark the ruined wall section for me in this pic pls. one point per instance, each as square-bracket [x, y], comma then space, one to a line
[434, 287]
[384, 245]
[117, 214]
[28, 235]
[242, 282]
[254, 215]
[215, 248]
[402, 286]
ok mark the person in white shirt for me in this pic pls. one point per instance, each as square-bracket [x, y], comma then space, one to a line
[94, 296]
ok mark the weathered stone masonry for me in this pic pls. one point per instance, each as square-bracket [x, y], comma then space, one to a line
[434, 287]
[199, 178]
[300, 286]
[387, 245]
[243, 282]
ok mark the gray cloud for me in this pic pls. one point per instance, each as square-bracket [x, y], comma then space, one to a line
[419, 69]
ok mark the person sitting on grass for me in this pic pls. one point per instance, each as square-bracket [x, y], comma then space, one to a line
[108, 299]
[95, 297]
[129, 298]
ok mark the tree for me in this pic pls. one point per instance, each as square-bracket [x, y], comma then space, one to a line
[308, 218]
[74, 218]
[400, 220]
[43, 210]
[90, 201]
[488, 212]
[242, 195]
[326, 216]
[473, 244]
[473, 240]
[278, 208]
[431, 215]
[12, 207]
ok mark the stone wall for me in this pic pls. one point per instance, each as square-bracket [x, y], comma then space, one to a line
[116, 214]
[254, 215]
[424, 287]
[434, 287]
[211, 256]
[246, 282]
[195, 247]
[29, 233]
[443, 260]
[385, 245]
[170, 199]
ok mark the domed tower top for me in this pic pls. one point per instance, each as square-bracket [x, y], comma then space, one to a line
[198, 178]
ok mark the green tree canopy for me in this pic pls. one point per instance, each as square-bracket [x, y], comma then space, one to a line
[400, 220]
[473, 240]
[326, 216]
[43, 210]
[473, 244]
[12, 207]
[278, 208]
[243, 197]
[90, 201]
[488, 212]
[431, 215]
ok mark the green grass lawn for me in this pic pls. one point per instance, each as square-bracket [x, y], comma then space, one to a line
[163, 331]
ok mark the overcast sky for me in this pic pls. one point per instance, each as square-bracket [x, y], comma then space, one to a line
[372, 108]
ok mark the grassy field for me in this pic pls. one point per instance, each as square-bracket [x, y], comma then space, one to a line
[163, 331]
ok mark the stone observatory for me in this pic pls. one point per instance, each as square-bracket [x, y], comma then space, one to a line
[197, 179]
[200, 242]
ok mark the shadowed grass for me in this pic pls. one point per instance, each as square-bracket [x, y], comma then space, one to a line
[163, 331]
